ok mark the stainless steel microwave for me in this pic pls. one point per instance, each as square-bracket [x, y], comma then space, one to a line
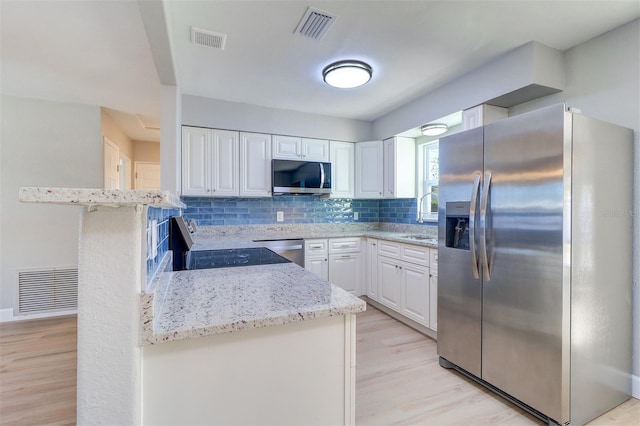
[300, 177]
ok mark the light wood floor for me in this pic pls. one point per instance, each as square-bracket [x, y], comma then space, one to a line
[38, 372]
[399, 380]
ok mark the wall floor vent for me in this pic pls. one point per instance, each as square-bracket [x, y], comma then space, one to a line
[208, 38]
[47, 290]
[315, 23]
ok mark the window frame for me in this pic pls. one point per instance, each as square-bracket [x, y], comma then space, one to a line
[426, 185]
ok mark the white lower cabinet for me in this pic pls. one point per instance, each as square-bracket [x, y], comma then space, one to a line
[345, 271]
[405, 282]
[316, 257]
[415, 297]
[337, 260]
[433, 290]
[318, 266]
[371, 276]
[388, 282]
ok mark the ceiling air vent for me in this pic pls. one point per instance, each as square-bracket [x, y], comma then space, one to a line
[315, 23]
[208, 38]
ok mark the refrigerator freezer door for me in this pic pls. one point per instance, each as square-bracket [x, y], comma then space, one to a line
[459, 293]
[525, 328]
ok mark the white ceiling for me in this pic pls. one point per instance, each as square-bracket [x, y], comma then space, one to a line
[96, 52]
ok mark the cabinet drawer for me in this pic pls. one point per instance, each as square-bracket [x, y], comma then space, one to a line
[433, 260]
[387, 248]
[315, 247]
[415, 254]
[344, 245]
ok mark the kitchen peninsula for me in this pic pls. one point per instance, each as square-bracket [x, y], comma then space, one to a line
[138, 359]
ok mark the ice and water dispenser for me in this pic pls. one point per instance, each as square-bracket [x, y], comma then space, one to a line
[457, 225]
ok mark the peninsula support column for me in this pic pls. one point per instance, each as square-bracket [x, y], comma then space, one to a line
[111, 273]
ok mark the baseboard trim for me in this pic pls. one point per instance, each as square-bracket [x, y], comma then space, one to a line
[635, 386]
[6, 315]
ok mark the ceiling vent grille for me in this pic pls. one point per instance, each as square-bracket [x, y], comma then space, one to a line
[208, 38]
[315, 23]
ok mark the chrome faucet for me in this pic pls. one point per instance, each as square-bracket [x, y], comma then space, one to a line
[420, 202]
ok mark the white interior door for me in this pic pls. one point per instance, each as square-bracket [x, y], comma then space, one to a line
[147, 175]
[111, 165]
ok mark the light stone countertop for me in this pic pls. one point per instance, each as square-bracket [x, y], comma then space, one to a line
[100, 197]
[220, 242]
[215, 301]
[188, 304]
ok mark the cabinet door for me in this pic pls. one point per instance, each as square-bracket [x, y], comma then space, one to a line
[196, 161]
[225, 163]
[399, 176]
[315, 150]
[287, 147]
[415, 294]
[372, 269]
[255, 165]
[318, 266]
[389, 283]
[389, 168]
[433, 301]
[404, 165]
[342, 169]
[369, 169]
[345, 271]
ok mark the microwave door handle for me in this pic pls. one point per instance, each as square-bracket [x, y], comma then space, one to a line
[322, 176]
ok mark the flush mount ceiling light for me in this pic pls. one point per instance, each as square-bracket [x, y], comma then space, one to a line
[434, 129]
[347, 74]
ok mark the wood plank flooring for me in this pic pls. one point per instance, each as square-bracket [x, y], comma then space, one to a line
[38, 372]
[399, 380]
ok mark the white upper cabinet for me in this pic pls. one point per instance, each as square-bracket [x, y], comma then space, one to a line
[196, 163]
[369, 167]
[481, 115]
[295, 148]
[399, 175]
[287, 147]
[342, 155]
[315, 149]
[210, 162]
[255, 165]
[226, 163]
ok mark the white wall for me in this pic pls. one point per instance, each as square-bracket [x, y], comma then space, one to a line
[532, 63]
[43, 144]
[219, 114]
[603, 80]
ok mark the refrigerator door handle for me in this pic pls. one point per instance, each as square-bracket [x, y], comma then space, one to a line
[472, 226]
[483, 226]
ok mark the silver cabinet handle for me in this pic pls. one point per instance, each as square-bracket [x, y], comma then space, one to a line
[472, 226]
[483, 226]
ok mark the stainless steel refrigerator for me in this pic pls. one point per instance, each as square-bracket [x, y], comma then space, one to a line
[535, 261]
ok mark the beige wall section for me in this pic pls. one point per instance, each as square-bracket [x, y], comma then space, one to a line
[111, 131]
[44, 143]
[148, 152]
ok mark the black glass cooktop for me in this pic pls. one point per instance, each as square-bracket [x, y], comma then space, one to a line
[208, 259]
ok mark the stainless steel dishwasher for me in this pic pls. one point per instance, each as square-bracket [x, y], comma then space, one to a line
[292, 249]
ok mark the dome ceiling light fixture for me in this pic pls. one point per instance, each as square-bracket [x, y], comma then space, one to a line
[347, 74]
[434, 129]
